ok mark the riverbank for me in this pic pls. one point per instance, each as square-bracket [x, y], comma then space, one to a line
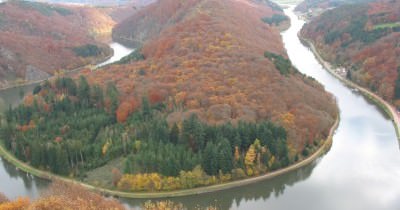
[382, 104]
[213, 188]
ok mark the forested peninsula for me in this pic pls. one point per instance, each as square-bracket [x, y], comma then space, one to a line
[198, 103]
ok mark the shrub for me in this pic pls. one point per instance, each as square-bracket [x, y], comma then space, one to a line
[276, 19]
[87, 50]
[283, 65]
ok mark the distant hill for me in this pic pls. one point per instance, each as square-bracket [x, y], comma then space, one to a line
[365, 39]
[118, 10]
[38, 39]
[316, 7]
[124, 11]
[100, 2]
[150, 21]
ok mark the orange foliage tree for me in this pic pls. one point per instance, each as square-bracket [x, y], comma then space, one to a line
[124, 109]
[61, 196]
[19, 204]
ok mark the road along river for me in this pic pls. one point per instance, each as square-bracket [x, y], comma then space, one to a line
[361, 170]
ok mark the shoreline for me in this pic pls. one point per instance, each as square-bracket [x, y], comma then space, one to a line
[178, 193]
[380, 102]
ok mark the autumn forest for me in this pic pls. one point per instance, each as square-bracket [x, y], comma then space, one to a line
[207, 97]
[363, 38]
[152, 116]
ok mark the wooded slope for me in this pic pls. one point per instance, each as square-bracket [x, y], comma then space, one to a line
[38, 39]
[365, 39]
[207, 57]
[307, 5]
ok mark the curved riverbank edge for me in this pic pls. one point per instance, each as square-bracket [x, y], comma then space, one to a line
[200, 190]
[380, 102]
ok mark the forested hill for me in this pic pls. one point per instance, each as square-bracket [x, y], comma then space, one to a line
[38, 39]
[149, 22]
[310, 5]
[209, 97]
[102, 3]
[214, 58]
[365, 39]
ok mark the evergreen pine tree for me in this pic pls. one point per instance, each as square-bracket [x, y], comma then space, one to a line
[210, 163]
[225, 157]
[112, 94]
[174, 134]
[83, 91]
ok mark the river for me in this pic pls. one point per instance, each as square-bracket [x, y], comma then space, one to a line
[120, 51]
[360, 171]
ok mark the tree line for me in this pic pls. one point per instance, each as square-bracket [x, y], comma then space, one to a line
[70, 127]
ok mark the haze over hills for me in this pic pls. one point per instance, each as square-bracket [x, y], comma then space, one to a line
[313, 5]
[363, 38]
[137, 3]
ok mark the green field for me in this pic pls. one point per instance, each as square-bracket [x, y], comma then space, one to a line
[387, 25]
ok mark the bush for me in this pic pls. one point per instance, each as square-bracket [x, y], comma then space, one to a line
[37, 89]
[87, 50]
[238, 173]
[283, 65]
[276, 19]
[142, 72]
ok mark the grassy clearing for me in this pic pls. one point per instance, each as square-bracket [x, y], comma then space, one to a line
[386, 25]
[103, 176]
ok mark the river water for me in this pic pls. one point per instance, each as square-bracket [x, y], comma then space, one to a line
[120, 51]
[361, 170]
